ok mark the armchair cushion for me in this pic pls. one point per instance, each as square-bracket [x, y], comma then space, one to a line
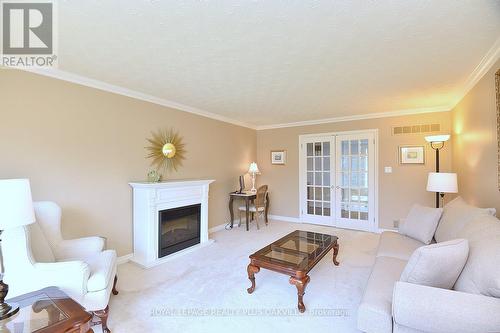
[102, 267]
[70, 276]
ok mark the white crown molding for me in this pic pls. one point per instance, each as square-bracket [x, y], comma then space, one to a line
[88, 82]
[481, 69]
[396, 113]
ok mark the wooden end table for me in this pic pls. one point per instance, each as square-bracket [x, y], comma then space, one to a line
[47, 310]
[294, 255]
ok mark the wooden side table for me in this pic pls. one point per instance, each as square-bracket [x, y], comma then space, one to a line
[47, 310]
[248, 197]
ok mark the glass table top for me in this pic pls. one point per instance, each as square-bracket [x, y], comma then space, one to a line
[38, 312]
[297, 250]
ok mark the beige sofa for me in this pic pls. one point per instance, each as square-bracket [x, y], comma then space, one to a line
[474, 303]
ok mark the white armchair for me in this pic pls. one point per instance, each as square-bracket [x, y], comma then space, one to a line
[36, 256]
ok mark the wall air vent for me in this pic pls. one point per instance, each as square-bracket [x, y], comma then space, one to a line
[414, 129]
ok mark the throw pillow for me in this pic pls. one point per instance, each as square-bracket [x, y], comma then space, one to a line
[456, 215]
[421, 223]
[481, 274]
[438, 265]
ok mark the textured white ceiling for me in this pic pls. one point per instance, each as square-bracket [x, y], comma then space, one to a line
[269, 62]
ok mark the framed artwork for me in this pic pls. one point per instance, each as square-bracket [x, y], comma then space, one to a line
[278, 157]
[497, 87]
[412, 154]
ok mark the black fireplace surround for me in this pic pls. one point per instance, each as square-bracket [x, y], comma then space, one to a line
[178, 228]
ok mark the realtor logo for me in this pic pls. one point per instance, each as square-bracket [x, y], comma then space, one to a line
[28, 33]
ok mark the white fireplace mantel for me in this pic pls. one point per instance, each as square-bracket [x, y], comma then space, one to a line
[151, 198]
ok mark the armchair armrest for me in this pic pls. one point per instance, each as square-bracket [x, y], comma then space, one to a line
[440, 310]
[79, 248]
[71, 276]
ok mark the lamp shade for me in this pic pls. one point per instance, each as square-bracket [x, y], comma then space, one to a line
[253, 168]
[16, 204]
[442, 182]
[437, 138]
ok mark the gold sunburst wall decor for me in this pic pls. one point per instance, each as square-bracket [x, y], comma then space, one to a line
[166, 150]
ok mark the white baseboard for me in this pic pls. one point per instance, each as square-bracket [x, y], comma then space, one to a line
[271, 217]
[124, 259]
[285, 218]
[381, 230]
[217, 228]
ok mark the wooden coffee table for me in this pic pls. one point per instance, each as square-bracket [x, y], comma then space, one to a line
[295, 255]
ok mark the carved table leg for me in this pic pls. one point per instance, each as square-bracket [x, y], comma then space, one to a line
[247, 211]
[231, 212]
[335, 252]
[267, 208]
[251, 269]
[114, 291]
[301, 287]
[103, 316]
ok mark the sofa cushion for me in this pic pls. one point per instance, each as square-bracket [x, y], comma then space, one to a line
[102, 266]
[456, 214]
[375, 310]
[437, 265]
[421, 223]
[481, 274]
[395, 245]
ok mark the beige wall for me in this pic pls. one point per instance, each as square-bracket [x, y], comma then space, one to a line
[81, 146]
[475, 157]
[397, 191]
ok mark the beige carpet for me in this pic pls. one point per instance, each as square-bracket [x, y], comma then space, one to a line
[205, 291]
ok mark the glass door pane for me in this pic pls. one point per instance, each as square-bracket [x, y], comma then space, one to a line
[317, 153]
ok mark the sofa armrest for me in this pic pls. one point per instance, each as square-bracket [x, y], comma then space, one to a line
[440, 310]
[70, 276]
[79, 248]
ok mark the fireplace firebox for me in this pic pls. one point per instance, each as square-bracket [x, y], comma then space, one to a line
[179, 228]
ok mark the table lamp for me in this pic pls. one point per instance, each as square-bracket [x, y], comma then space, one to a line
[441, 183]
[253, 170]
[16, 209]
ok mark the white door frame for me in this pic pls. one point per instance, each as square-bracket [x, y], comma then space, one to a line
[374, 224]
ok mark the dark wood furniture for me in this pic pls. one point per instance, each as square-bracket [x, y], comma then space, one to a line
[294, 255]
[48, 310]
[248, 196]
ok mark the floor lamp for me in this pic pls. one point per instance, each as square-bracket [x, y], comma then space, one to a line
[437, 143]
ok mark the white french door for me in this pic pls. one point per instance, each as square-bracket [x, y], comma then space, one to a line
[318, 153]
[337, 180]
